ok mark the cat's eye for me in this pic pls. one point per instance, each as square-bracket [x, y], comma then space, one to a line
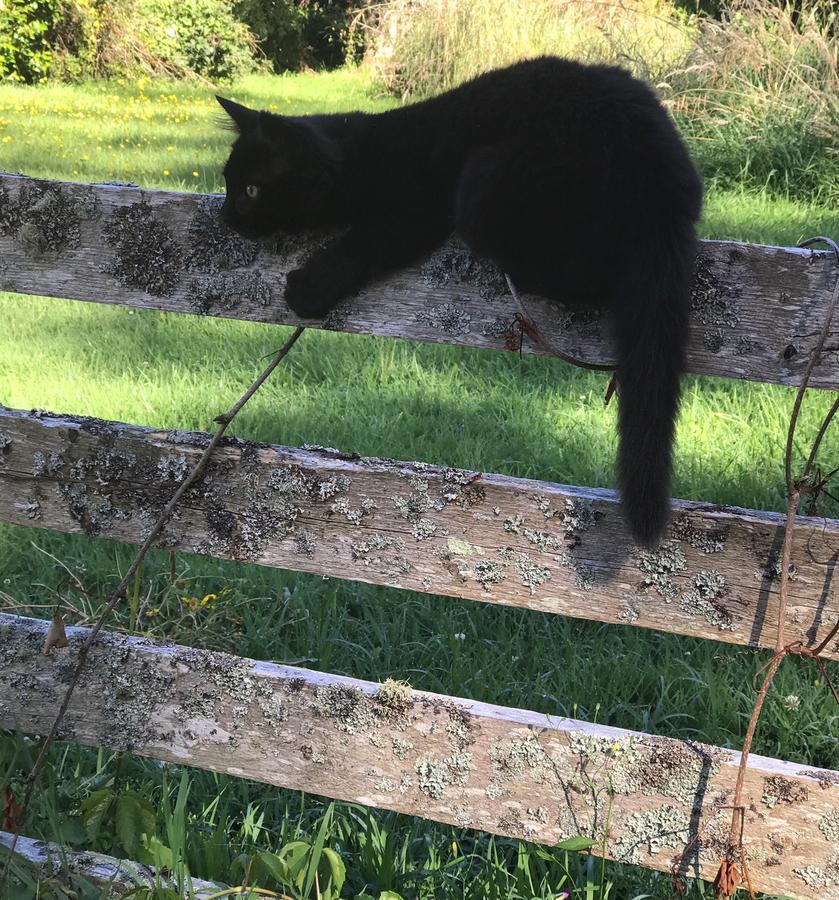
[252, 190]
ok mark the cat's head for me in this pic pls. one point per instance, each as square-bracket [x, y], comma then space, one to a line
[281, 173]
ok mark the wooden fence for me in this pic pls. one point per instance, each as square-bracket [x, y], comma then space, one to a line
[559, 549]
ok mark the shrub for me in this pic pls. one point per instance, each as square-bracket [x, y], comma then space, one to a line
[26, 32]
[88, 36]
[198, 36]
[326, 31]
[297, 33]
[104, 38]
[278, 26]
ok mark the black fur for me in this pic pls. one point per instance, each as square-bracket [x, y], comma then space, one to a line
[570, 177]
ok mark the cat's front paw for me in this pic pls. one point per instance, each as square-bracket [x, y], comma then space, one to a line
[311, 293]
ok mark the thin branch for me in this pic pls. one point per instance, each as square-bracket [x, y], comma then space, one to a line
[805, 379]
[817, 443]
[224, 421]
[786, 556]
[794, 490]
[534, 333]
[830, 635]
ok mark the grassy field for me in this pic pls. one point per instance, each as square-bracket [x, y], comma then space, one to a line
[527, 417]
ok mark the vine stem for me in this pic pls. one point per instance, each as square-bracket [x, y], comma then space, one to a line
[223, 421]
[794, 491]
[533, 332]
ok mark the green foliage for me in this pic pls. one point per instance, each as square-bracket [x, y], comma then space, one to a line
[121, 822]
[26, 30]
[576, 844]
[74, 39]
[294, 33]
[294, 867]
[198, 36]
[326, 32]
[384, 895]
[278, 26]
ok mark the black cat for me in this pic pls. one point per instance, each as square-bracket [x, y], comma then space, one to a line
[570, 177]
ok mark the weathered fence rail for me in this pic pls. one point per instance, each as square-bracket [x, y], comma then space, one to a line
[118, 876]
[466, 763]
[662, 803]
[484, 537]
[757, 310]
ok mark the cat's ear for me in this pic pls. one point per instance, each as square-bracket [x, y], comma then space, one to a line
[244, 118]
[279, 128]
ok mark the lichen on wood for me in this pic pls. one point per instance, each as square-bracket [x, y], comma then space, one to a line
[653, 801]
[752, 306]
[419, 527]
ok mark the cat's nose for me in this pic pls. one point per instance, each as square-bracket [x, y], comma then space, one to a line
[224, 212]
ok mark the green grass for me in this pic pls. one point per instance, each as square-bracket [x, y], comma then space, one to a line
[527, 417]
[155, 133]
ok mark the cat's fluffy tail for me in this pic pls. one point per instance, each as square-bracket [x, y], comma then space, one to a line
[652, 311]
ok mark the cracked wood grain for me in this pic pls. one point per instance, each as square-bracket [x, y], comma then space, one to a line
[757, 310]
[477, 536]
[506, 771]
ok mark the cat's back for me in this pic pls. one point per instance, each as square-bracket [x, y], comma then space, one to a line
[597, 117]
[547, 83]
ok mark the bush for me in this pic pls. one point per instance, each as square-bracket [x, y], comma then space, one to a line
[26, 35]
[297, 33]
[215, 39]
[326, 31]
[73, 39]
[198, 36]
[278, 26]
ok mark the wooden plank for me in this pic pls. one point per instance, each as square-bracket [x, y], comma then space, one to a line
[120, 876]
[512, 541]
[757, 310]
[470, 764]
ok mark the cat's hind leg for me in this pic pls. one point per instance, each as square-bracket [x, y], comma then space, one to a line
[518, 206]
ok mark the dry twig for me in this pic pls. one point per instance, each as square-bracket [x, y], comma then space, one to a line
[728, 878]
[528, 327]
[223, 421]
